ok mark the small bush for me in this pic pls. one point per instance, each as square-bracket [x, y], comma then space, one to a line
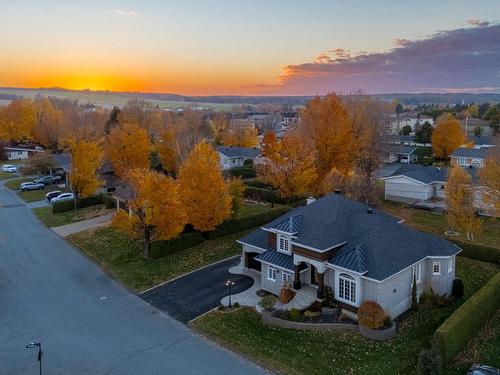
[268, 302]
[294, 315]
[286, 294]
[388, 322]
[458, 288]
[236, 305]
[329, 300]
[429, 363]
[311, 314]
[371, 315]
[282, 314]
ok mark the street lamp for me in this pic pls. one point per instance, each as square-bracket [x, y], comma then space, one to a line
[39, 346]
[229, 284]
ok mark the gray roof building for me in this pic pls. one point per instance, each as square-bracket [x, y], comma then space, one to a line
[422, 173]
[465, 152]
[234, 152]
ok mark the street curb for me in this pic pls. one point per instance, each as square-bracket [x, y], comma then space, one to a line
[188, 273]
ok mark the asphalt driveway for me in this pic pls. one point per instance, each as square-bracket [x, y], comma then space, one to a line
[194, 294]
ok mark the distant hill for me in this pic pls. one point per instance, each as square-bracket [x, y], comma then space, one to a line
[173, 101]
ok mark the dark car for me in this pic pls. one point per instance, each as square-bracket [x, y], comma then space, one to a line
[52, 194]
[47, 180]
[483, 370]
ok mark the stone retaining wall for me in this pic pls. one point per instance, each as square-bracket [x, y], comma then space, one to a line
[379, 335]
[267, 318]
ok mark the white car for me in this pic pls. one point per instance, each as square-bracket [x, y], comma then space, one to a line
[63, 197]
[27, 186]
[9, 168]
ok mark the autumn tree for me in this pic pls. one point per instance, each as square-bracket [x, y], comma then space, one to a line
[204, 193]
[290, 168]
[240, 136]
[17, 120]
[86, 158]
[424, 133]
[489, 176]
[460, 203]
[38, 164]
[218, 126]
[269, 144]
[236, 188]
[325, 125]
[166, 148]
[128, 147]
[142, 113]
[48, 129]
[447, 136]
[157, 210]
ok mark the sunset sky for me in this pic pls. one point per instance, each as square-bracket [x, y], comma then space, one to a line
[258, 47]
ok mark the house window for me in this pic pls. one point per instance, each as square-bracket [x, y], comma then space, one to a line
[286, 277]
[347, 288]
[436, 268]
[450, 264]
[417, 273]
[272, 273]
[283, 243]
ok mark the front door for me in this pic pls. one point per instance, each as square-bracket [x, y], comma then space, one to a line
[314, 276]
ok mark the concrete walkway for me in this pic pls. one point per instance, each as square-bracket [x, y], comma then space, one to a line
[68, 229]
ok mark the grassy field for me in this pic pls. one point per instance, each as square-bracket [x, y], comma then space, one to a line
[436, 223]
[337, 352]
[53, 220]
[122, 258]
[5, 175]
[248, 209]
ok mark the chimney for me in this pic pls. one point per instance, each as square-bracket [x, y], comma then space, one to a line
[369, 210]
[310, 200]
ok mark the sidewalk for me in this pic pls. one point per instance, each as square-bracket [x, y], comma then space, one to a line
[66, 230]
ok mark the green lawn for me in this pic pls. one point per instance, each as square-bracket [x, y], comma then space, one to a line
[249, 209]
[31, 195]
[122, 258]
[436, 223]
[5, 175]
[16, 183]
[53, 220]
[337, 352]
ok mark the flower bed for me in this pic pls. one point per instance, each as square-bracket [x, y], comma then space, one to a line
[269, 319]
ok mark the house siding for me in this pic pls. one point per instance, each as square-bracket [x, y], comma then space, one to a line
[443, 283]
[405, 188]
[269, 285]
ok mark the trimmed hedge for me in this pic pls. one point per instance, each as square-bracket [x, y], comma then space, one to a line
[93, 200]
[268, 195]
[237, 225]
[479, 252]
[243, 172]
[181, 242]
[456, 331]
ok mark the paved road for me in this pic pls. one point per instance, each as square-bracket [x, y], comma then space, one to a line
[88, 323]
[191, 295]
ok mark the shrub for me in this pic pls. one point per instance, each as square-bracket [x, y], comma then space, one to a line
[388, 321]
[286, 294]
[256, 183]
[371, 315]
[328, 300]
[236, 305]
[269, 195]
[248, 162]
[311, 314]
[243, 172]
[429, 363]
[458, 288]
[294, 315]
[414, 301]
[268, 302]
[479, 252]
[63, 206]
[236, 225]
[452, 336]
[93, 200]
[181, 242]
[282, 314]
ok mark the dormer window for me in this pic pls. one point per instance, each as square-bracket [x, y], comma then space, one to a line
[283, 243]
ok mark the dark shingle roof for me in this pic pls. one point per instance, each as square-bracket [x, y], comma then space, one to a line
[469, 152]
[232, 152]
[257, 238]
[400, 149]
[482, 140]
[276, 259]
[290, 224]
[422, 173]
[353, 259]
[399, 138]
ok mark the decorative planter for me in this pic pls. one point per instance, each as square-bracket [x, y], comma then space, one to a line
[379, 334]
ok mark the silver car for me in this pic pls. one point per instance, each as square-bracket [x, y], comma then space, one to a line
[31, 186]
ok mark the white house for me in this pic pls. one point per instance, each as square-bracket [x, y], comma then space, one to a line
[399, 153]
[233, 157]
[412, 119]
[18, 153]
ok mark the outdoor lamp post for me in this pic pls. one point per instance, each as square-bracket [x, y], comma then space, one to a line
[229, 284]
[39, 346]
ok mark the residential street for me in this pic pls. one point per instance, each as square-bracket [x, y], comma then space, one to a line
[87, 322]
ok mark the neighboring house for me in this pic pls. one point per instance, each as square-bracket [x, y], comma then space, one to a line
[468, 157]
[361, 253]
[399, 153]
[412, 119]
[289, 118]
[232, 157]
[21, 153]
[482, 142]
[415, 182]
[470, 123]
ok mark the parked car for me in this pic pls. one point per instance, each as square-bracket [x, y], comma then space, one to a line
[52, 194]
[31, 186]
[9, 168]
[63, 197]
[47, 180]
[483, 370]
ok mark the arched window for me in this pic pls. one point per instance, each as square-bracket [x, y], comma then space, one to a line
[347, 288]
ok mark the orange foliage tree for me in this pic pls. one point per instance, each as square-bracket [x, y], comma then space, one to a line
[241, 136]
[48, 128]
[86, 158]
[447, 136]
[17, 120]
[166, 148]
[157, 210]
[325, 124]
[489, 176]
[204, 193]
[127, 148]
[269, 144]
[290, 168]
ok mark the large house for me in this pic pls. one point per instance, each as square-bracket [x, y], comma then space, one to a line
[411, 119]
[361, 253]
[232, 157]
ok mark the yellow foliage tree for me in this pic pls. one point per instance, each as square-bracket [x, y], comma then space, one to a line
[157, 210]
[48, 128]
[290, 168]
[127, 148]
[17, 120]
[240, 136]
[447, 136]
[204, 193]
[489, 176]
[166, 147]
[460, 202]
[269, 144]
[326, 125]
[86, 158]
[236, 188]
